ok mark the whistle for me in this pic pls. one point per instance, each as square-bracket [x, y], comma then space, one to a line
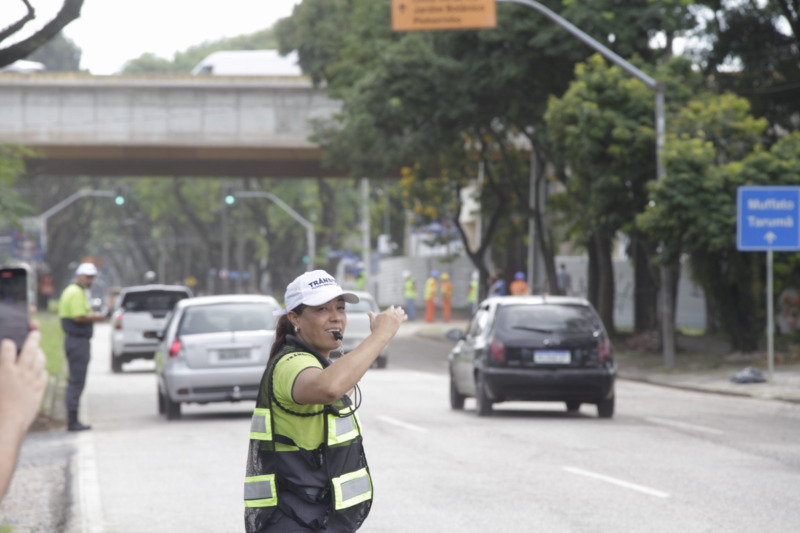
[337, 336]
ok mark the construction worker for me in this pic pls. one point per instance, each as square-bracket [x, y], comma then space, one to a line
[518, 287]
[431, 286]
[472, 293]
[361, 280]
[410, 294]
[447, 296]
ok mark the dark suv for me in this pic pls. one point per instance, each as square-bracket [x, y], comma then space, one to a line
[139, 310]
[533, 348]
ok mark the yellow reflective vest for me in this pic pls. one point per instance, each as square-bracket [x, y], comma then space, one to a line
[430, 288]
[326, 487]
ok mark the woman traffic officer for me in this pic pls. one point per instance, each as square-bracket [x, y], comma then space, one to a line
[306, 468]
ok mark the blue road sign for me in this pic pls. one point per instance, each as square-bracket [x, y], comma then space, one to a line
[767, 218]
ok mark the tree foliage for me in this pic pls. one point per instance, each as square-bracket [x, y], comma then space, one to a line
[184, 61]
[70, 10]
[443, 105]
[754, 52]
[58, 54]
[712, 143]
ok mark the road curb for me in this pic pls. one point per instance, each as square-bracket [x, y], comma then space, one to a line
[707, 390]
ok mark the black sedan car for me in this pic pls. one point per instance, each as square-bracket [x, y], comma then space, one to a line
[533, 348]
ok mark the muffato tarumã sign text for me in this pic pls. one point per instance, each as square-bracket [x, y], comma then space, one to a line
[768, 218]
[416, 15]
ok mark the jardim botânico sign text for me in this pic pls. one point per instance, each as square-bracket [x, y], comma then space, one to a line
[416, 15]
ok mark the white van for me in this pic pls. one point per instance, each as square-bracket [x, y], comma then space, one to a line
[139, 312]
[249, 63]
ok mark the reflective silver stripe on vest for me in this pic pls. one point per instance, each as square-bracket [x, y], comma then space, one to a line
[351, 489]
[260, 424]
[343, 428]
[257, 490]
[354, 487]
[343, 425]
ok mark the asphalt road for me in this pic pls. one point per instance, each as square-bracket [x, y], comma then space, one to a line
[668, 461]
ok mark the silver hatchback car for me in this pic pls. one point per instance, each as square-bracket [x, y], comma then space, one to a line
[214, 349]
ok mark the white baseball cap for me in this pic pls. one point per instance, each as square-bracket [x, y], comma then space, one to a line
[315, 288]
[86, 269]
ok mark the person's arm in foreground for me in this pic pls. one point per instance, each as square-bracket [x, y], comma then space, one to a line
[22, 384]
[316, 386]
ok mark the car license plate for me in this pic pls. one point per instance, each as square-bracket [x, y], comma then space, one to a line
[236, 354]
[551, 357]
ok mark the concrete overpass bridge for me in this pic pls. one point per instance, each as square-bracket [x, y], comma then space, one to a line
[164, 125]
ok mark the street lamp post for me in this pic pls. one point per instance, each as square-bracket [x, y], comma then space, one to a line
[310, 237]
[41, 219]
[667, 326]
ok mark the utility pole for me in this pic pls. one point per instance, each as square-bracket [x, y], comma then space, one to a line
[310, 235]
[667, 323]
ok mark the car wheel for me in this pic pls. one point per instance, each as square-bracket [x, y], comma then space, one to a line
[162, 408]
[456, 399]
[116, 364]
[484, 403]
[605, 408]
[382, 360]
[173, 409]
[573, 406]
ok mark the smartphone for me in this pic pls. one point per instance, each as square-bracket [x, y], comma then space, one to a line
[15, 303]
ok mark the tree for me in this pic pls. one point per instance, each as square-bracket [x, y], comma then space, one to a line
[713, 147]
[755, 53]
[12, 203]
[184, 62]
[603, 127]
[58, 54]
[445, 104]
[70, 10]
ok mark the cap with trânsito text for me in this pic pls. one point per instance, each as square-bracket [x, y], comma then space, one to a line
[315, 288]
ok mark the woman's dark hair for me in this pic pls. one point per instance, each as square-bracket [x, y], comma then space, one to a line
[282, 328]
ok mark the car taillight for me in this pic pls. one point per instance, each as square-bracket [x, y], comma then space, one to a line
[603, 350]
[118, 320]
[498, 348]
[175, 349]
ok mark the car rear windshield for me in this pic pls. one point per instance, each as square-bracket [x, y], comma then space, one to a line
[567, 318]
[228, 317]
[152, 300]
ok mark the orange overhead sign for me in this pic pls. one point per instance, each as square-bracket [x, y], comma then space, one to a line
[416, 15]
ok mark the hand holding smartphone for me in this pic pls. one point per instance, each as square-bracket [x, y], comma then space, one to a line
[15, 303]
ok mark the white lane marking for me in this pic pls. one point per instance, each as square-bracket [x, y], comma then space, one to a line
[400, 423]
[683, 425]
[91, 519]
[619, 482]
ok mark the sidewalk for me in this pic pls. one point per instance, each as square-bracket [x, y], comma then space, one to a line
[694, 369]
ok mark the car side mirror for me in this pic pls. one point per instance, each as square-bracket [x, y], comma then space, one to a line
[455, 335]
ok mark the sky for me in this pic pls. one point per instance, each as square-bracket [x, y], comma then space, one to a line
[111, 32]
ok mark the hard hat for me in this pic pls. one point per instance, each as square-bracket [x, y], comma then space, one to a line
[86, 269]
[519, 275]
[406, 273]
[149, 276]
[475, 275]
[445, 276]
[434, 273]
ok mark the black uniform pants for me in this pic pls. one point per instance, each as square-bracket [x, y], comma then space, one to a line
[78, 352]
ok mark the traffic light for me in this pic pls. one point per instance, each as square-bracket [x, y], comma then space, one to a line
[228, 196]
[119, 196]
